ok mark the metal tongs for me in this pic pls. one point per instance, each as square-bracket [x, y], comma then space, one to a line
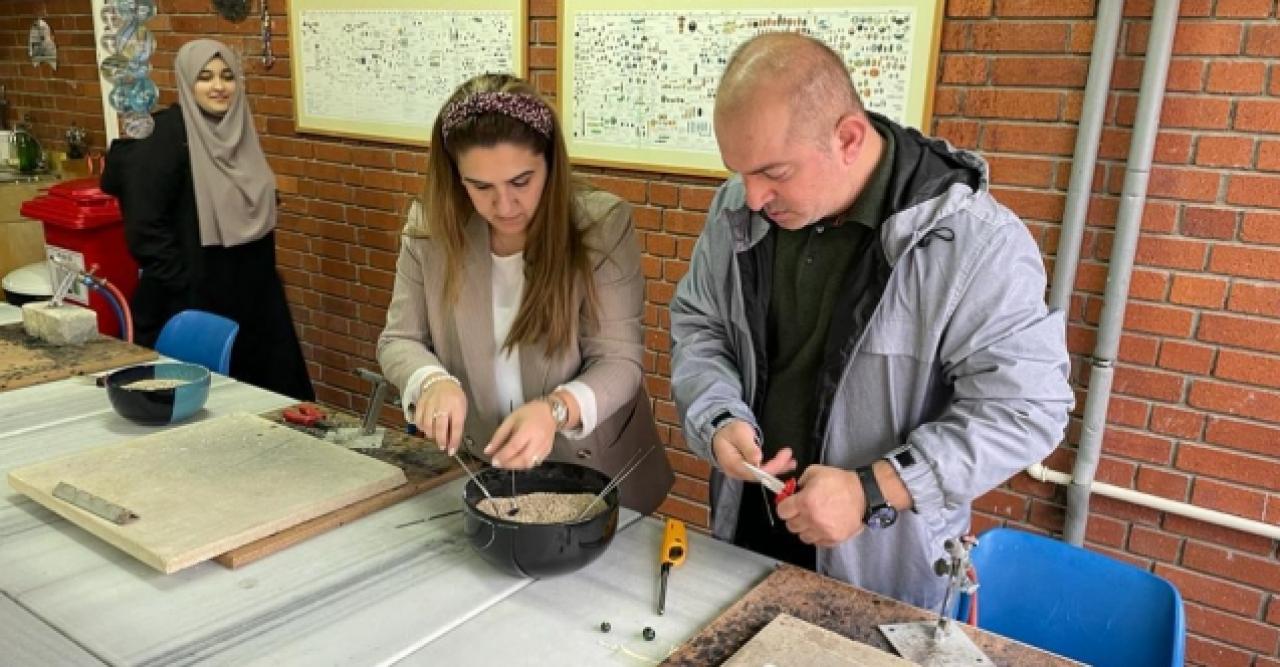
[630, 467]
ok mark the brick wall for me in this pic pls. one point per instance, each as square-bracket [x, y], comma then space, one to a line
[1196, 412]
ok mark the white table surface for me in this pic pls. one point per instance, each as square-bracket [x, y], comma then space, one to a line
[371, 592]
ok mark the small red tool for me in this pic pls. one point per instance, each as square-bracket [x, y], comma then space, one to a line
[781, 489]
[305, 414]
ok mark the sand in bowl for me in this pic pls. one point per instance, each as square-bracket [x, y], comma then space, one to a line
[542, 507]
[153, 385]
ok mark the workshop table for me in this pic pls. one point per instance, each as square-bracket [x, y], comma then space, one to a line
[387, 588]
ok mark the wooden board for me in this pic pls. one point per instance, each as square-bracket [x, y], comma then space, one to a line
[425, 467]
[25, 360]
[789, 641]
[849, 611]
[203, 489]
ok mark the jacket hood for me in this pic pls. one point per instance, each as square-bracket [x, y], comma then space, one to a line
[930, 180]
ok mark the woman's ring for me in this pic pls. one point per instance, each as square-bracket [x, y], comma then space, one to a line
[439, 413]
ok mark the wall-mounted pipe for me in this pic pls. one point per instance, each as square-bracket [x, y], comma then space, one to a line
[1084, 159]
[1040, 472]
[1133, 198]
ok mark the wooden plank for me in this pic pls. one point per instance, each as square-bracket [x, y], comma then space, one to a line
[25, 360]
[284, 539]
[203, 489]
[849, 611]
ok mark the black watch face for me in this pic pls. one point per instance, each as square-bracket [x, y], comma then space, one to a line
[882, 517]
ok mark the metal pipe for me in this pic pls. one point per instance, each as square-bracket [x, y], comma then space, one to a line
[1155, 72]
[1085, 157]
[1044, 474]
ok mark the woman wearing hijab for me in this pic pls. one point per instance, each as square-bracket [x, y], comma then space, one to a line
[514, 324]
[199, 204]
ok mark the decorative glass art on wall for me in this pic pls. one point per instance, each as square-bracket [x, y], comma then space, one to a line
[128, 68]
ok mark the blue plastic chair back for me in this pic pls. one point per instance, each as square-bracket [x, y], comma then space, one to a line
[198, 337]
[1075, 602]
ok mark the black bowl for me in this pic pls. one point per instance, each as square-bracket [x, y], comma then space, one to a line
[539, 549]
[159, 406]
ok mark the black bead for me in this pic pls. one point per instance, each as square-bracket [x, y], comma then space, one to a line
[605, 627]
[649, 634]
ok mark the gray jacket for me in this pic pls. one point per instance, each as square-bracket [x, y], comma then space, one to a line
[947, 353]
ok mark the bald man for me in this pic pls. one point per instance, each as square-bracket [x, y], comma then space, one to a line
[861, 313]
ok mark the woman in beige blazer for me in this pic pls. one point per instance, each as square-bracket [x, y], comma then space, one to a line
[514, 325]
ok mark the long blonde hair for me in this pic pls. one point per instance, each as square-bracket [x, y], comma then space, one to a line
[556, 261]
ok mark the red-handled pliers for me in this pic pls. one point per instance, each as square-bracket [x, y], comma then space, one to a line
[782, 490]
[305, 414]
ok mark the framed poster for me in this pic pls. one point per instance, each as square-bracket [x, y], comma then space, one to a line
[382, 69]
[638, 79]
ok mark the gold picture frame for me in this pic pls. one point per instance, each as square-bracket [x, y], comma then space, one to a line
[637, 79]
[381, 69]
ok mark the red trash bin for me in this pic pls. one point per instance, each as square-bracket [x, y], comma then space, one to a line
[83, 226]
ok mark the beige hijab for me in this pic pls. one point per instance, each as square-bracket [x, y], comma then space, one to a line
[235, 188]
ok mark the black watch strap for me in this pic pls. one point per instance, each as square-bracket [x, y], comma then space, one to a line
[871, 490]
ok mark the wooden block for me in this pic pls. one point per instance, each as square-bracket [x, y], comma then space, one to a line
[203, 489]
[67, 324]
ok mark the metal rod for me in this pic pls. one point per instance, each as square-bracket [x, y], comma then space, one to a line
[627, 469]
[473, 478]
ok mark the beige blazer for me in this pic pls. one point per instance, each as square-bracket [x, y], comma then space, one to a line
[423, 329]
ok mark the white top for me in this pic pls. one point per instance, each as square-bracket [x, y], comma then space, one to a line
[508, 286]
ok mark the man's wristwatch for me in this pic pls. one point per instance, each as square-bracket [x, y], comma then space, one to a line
[879, 513]
[559, 411]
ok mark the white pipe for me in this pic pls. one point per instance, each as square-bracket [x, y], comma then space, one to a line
[1044, 474]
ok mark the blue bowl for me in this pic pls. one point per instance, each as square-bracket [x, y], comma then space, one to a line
[159, 406]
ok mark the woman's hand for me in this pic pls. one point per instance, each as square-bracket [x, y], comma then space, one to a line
[525, 437]
[441, 412]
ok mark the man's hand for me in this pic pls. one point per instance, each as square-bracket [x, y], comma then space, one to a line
[827, 507]
[735, 444]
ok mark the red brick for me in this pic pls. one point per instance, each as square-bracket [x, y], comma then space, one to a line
[1187, 111]
[1263, 39]
[1255, 299]
[1233, 400]
[630, 189]
[964, 69]
[1186, 357]
[1171, 252]
[1239, 77]
[1036, 8]
[1258, 116]
[1032, 204]
[1002, 503]
[1246, 469]
[1269, 154]
[1254, 190]
[1256, 9]
[663, 194]
[694, 198]
[1161, 482]
[1228, 498]
[1031, 37]
[1139, 446]
[1249, 634]
[1245, 261]
[1184, 183]
[1209, 223]
[1203, 532]
[1040, 71]
[683, 222]
[955, 36]
[1124, 411]
[1012, 104]
[1260, 227]
[968, 8]
[1135, 349]
[1158, 319]
[1224, 151]
[1208, 38]
[1197, 290]
[1245, 436]
[1145, 541]
[1105, 531]
[1248, 367]
[1028, 138]
[1150, 384]
[1201, 651]
[1017, 170]
[961, 133]
[1177, 422]
[1213, 591]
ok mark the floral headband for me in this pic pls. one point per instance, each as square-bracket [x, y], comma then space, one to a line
[528, 109]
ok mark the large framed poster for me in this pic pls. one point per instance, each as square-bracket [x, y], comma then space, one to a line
[382, 69]
[638, 78]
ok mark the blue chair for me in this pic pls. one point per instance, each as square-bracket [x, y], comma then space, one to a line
[198, 337]
[1075, 602]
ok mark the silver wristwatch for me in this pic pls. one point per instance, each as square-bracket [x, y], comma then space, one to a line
[559, 411]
